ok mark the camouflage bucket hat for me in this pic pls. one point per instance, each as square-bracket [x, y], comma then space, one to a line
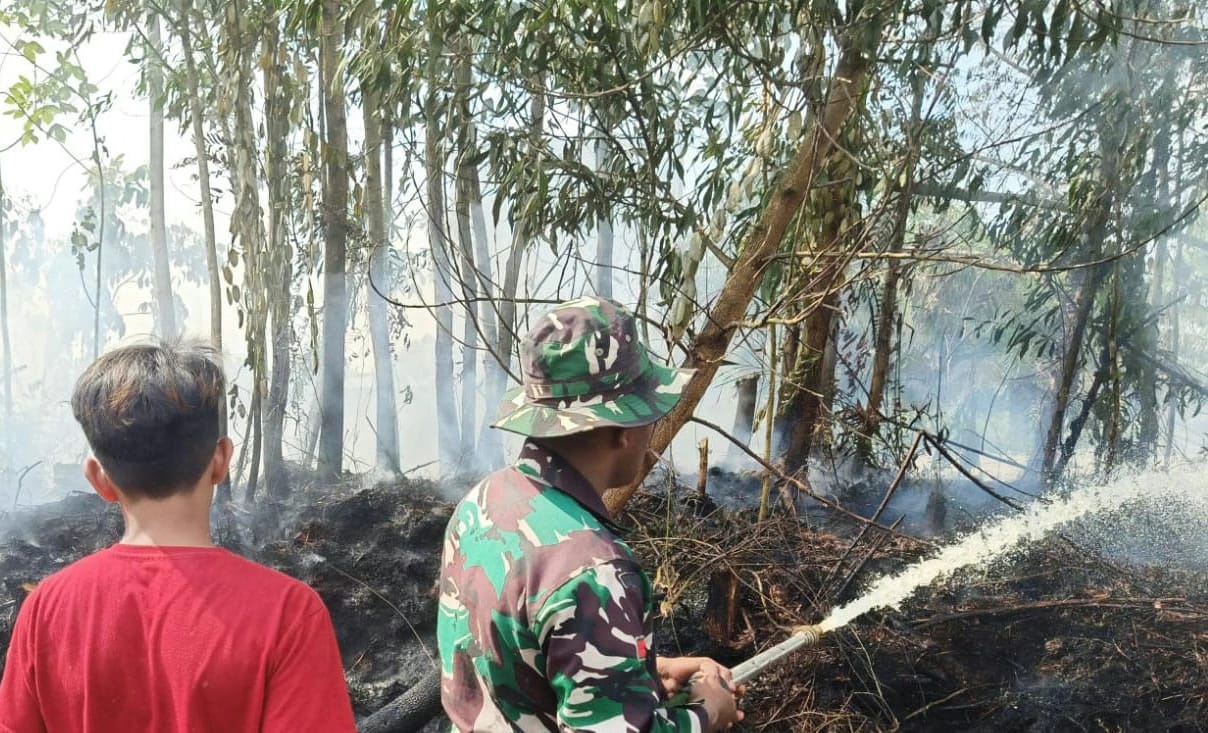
[584, 367]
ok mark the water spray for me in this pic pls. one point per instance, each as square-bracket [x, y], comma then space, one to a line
[979, 548]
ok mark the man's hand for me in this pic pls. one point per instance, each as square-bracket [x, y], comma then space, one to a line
[711, 685]
[675, 672]
[718, 700]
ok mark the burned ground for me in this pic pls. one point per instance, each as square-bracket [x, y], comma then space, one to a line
[1057, 638]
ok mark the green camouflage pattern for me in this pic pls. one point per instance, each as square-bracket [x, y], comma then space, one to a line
[584, 367]
[545, 620]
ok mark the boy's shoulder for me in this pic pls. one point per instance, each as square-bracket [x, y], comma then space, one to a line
[223, 565]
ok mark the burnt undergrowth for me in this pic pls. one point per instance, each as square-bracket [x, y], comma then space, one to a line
[1055, 638]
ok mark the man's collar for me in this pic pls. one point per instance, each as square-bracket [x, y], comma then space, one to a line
[544, 465]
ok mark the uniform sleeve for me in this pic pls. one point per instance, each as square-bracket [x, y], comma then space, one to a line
[593, 636]
[19, 710]
[306, 689]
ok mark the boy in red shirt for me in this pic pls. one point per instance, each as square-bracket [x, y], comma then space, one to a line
[164, 632]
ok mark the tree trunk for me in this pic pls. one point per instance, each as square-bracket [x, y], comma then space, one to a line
[278, 263]
[848, 87]
[335, 211]
[604, 239]
[490, 447]
[5, 342]
[468, 274]
[803, 406]
[100, 240]
[1171, 408]
[247, 224]
[1148, 432]
[165, 306]
[255, 440]
[387, 453]
[515, 259]
[887, 314]
[823, 226]
[744, 412]
[196, 113]
[1077, 319]
[1087, 282]
[439, 244]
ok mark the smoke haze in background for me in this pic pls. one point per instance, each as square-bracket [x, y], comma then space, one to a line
[983, 397]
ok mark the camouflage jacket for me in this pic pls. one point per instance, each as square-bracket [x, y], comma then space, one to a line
[545, 616]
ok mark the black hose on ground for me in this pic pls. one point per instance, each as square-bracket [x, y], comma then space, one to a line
[410, 711]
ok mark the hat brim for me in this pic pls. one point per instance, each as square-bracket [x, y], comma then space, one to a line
[658, 392]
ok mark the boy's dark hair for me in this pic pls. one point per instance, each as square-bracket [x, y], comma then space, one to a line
[150, 413]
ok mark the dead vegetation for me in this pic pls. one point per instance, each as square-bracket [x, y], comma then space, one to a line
[1055, 639]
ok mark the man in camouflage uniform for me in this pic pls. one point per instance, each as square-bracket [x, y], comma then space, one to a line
[545, 616]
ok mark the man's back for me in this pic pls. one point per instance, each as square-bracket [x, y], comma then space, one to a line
[144, 638]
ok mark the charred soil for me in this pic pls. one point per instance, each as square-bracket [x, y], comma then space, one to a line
[1056, 639]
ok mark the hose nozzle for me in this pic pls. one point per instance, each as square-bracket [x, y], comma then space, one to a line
[810, 633]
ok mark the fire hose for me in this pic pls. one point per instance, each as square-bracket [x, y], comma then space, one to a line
[803, 637]
[412, 710]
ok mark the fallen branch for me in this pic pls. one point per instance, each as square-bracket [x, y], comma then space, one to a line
[964, 472]
[409, 711]
[935, 703]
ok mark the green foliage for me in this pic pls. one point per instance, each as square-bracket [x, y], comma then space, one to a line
[1039, 150]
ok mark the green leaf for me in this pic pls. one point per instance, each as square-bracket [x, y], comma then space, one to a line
[30, 50]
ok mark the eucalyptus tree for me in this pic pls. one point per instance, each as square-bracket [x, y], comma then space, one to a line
[435, 113]
[332, 38]
[153, 63]
[1111, 112]
[191, 106]
[6, 343]
[382, 79]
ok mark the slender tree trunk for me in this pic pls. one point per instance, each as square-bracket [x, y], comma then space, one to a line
[848, 87]
[387, 453]
[1078, 318]
[604, 239]
[197, 123]
[278, 262]
[1086, 284]
[165, 305]
[490, 446]
[887, 314]
[744, 412]
[5, 342]
[439, 245]
[468, 270]
[802, 410]
[1150, 337]
[803, 403]
[255, 439]
[100, 241]
[515, 259]
[1171, 408]
[247, 224]
[335, 211]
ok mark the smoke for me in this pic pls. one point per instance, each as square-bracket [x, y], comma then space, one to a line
[950, 376]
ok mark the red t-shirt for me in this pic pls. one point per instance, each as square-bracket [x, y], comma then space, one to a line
[173, 639]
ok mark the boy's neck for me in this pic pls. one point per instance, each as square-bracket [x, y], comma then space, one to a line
[181, 520]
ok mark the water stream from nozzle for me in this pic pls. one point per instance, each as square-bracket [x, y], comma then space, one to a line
[998, 537]
[987, 543]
